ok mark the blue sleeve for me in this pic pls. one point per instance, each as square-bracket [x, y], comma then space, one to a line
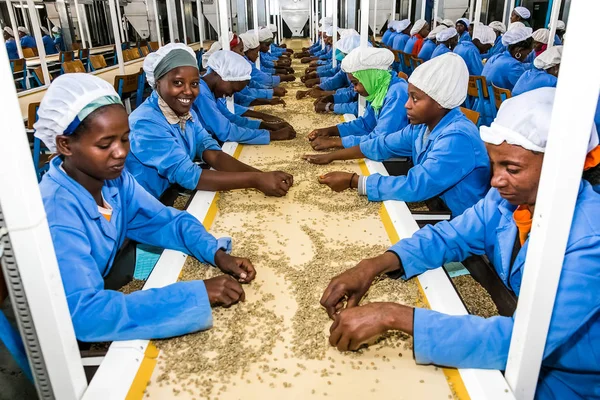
[243, 99]
[267, 70]
[258, 93]
[345, 95]
[395, 144]
[337, 81]
[235, 118]
[446, 164]
[346, 108]
[255, 84]
[267, 63]
[238, 109]
[360, 126]
[474, 62]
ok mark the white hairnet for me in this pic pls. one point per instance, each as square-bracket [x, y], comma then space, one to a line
[329, 31]
[347, 32]
[370, 58]
[438, 20]
[66, 97]
[265, 34]
[56, 29]
[498, 26]
[152, 59]
[435, 31]
[522, 12]
[216, 46]
[45, 30]
[23, 29]
[444, 78]
[516, 35]
[326, 21]
[541, 35]
[448, 22]
[524, 120]
[324, 27]
[391, 23]
[9, 31]
[485, 34]
[272, 27]
[464, 21]
[401, 25]
[419, 24]
[560, 25]
[250, 41]
[514, 25]
[549, 58]
[230, 66]
[349, 43]
[446, 34]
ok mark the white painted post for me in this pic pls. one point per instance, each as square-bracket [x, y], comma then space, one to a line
[115, 25]
[409, 9]
[200, 22]
[279, 24]
[255, 25]
[80, 24]
[334, 34]
[224, 32]
[170, 16]
[13, 23]
[510, 10]
[504, 12]
[364, 40]
[24, 14]
[423, 8]
[322, 16]
[477, 13]
[157, 21]
[268, 11]
[556, 198]
[182, 6]
[393, 16]
[553, 21]
[86, 25]
[471, 8]
[35, 22]
[375, 20]
[310, 20]
[118, 5]
[435, 13]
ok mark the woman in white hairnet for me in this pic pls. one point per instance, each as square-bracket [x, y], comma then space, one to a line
[418, 33]
[93, 204]
[49, 45]
[27, 41]
[544, 73]
[369, 71]
[499, 29]
[470, 51]
[430, 44]
[520, 14]
[227, 74]
[10, 43]
[449, 157]
[402, 34]
[498, 226]
[167, 135]
[447, 39]
[462, 27]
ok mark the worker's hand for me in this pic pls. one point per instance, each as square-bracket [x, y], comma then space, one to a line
[305, 60]
[325, 99]
[321, 107]
[224, 291]
[300, 94]
[315, 133]
[271, 118]
[287, 78]
[325, 143]
[317, 94]
[276, 183]
[286, 133]
[312, 82]
[356, 326]
[319, 159]
[314, 64]
[337, 181]
[274, 126]
[240, 268]
[279, 91]
[349, 287]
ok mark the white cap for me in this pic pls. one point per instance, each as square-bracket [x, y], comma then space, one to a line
[326, 21]
[347, 32]
[560, 25]
[465, 21]
[498, 26]
[349, 43]
[485, 34]
[8, 30]
[45, 30]
[448, 22]
[549, 58]
[265, 34]
[419, 24]
[272, 27]
[446, 34]
[23, 29]
[524, 120]
[514, 25]
[435, 31]
[541, 35]
[438, 20]
[329, 31]
[56, 29]
[66, 97]
[370, 58]
[444, 78]
[522, 12]
[152, 59]
[250, 40]
[401, 25]
[230, 66]
[516, 35]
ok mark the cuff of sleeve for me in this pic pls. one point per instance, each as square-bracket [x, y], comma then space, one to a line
[253, 123]
[269, 94]
[219, 244]
[203, 303]
[362, 184]
[371, 189]
[190, 180]
[276, 80]
[350, 141]
[422, 341]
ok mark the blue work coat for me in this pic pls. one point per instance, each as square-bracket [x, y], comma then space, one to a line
[28, 42]
[338, 81]
[386, 36]
[346, 108]
[410, 43]
[557, 41]
[86, 244]
[262, 77]
[533, 79]
[391, 117]
[465, 37]
[49, 45]
[60, 43]
[503, 70]
[452, 164]
[346, 101]
[496, 49]
[571, 361]
[224, 125]
[427, 50]
[248, 95]
[400, 41]
[470, 54]
[162, 154]
[11, 49]
[439, 50]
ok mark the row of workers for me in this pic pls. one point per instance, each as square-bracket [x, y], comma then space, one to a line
[51, 45]
[82, 119]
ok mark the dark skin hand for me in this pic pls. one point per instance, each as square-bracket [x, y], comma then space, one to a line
[339, 181]
[224, 291]
[311, 75]
[325, 143]
[262, 116]
[329, 131]
[306, 60]
[268, 102]
[352, 153]
[286, 133]
[240, 268]
[287, 78]
[279, 91]
[274, 126]
[320, 108]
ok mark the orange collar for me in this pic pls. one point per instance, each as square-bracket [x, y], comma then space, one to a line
[592, 159]
[523, 218]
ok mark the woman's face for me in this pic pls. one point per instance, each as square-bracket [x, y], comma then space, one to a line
[100, 149]
[226, 89]
[514, 17]
[358, 87]
[238, 48]
[179, 88]
[252, 54]
[420, 108]
[460, 28]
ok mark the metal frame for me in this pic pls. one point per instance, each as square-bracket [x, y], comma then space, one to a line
[112, 4]
[334, 14]
[35, 22]
[13, 23]
[553, 20]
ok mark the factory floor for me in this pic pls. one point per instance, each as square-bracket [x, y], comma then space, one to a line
[13, 383]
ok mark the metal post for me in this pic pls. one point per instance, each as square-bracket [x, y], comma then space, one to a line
[280, 25]
[80, 24]
[424, 8]
[364, 40]
[393, 16]
[435, 13]
[334, 37]
[35, 21]
[121, 30]
[115, 26]
[13, 23]
[171, 16]
[157, 20]
[471, 8]
[200, 22]
[224, 32]
[556, 199]
[409, 9]
[26, 23]
[310, 21]
[510, 10]
[323, 16]
[255, 25]
[181, 5]
[553, 21]
[477, 13]
[504, 12]
[374, 20]
[268, 11]
[86, 25]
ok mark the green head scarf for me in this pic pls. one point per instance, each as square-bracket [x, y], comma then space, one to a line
[376, 83]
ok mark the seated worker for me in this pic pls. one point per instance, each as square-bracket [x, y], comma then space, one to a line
[228, 73]
[462, 28]
[418, 32]
[369, 71]
[27, 42]
[449, 157]
[250, 48]
[316, 47]
[429, 45]
[446, 40]
[470, 51]
[499, 29]
[560, 32]
[540, 42]
[167, 135]
[10, 43]
[278, 49]
[498, 226]
[522, 15]
[505, 69]
[280, 65]
[59, 43]
[49, 45]
[402, 34]
[388, 32]
[326, 54]
[544, 73]
[93, 204]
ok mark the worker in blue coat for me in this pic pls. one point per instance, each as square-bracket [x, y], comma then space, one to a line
[402, 34]
[93, 204]
[446, 40]
[505, 69]
[544, 73]
[167, 135]
[429, 45]
[470, 51]
[498, 226]
[59, 42]
[49, 45]
[27, 42]
[11, 44]
[462, 27]
[499, 29]
[388, 32]
[449, 157]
